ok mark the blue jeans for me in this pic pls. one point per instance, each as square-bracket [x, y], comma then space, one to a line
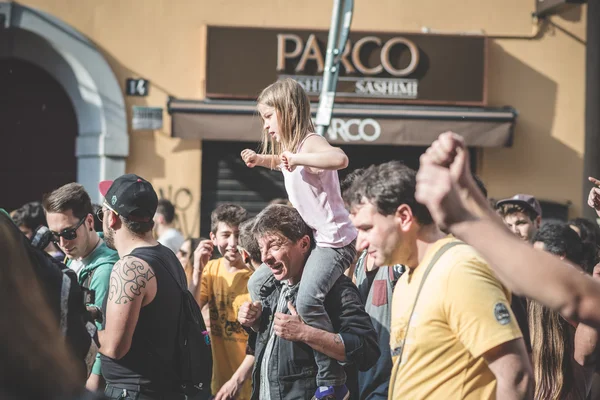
[322, 269]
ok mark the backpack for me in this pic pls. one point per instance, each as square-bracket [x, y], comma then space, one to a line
[193, 354]
[65, 297]
[61, 286]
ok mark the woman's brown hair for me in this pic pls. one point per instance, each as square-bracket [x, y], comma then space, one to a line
[553, 349]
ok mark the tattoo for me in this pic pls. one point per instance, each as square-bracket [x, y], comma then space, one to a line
[128, 278]
[337, 339]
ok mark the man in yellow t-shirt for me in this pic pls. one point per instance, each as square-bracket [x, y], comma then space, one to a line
[463, 341]
[224, 287]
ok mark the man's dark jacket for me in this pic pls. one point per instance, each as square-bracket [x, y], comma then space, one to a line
[292, 364]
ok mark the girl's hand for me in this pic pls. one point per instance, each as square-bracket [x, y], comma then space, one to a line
[287, 159]
[250, 158]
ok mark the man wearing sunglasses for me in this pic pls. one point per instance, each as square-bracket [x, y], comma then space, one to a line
[69, 214]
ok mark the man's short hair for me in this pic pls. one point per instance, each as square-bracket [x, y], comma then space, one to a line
[347, 182]
[71, 196]
[248, 241]
[559, 239]
[166, 209]
[387, 186]
[137, 228]
[230, 214]
[280, 220]
[30, 215]
[510, 208]
[590, 236]
[590, 232]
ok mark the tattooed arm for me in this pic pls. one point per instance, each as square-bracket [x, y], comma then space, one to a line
[132, 286]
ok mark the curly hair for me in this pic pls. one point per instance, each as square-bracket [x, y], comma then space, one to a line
[231, 214]
[387, 186]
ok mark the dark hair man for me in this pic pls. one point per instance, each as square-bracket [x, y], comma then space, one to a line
[522, 214]
[375, 284]
[452, 331]
[70, 219]
[285, 366]
[142, 309]
[445, 187]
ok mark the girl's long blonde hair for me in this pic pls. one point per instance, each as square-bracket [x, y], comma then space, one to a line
[553, 349]
[292, 105]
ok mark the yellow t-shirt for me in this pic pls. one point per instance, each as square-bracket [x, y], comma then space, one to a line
[225, 292]
[462, 312]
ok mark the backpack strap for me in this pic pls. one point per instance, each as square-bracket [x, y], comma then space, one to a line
[88, 279]
[65, 289]
[434, 260]
[166, 268]
[400, 350]
[304, 140]
[152, 348]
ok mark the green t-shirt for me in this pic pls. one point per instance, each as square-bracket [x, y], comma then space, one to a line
[95, 275]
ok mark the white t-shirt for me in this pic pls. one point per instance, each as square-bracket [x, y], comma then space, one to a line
[77, 265]
[172, 239]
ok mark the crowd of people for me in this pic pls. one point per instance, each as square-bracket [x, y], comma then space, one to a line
[393, 283]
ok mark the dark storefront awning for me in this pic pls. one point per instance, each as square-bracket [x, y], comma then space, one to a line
[351, 124]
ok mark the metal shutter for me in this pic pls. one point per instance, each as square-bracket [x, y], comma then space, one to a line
[226, 179]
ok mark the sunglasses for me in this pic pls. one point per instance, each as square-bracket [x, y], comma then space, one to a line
[100, 212]
[68, 234]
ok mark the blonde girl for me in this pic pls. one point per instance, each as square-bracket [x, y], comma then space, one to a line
[309, 165]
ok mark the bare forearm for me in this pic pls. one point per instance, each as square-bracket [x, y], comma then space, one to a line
[534, 274]
[324, 342]
[510, 365]
[94, 383]
[112, 347]
[334, 159]
[268, 161]
[586, 341]
[195, 281]
[244, 371]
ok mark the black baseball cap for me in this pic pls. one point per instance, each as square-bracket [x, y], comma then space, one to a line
[131, 197]
[524, 200]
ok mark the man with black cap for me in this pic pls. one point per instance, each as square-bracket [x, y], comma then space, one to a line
[142, 308]
[522, 214]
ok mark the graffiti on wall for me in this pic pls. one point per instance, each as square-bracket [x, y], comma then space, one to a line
[185, 205]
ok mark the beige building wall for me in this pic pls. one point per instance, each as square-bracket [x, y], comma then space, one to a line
[162, 40]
